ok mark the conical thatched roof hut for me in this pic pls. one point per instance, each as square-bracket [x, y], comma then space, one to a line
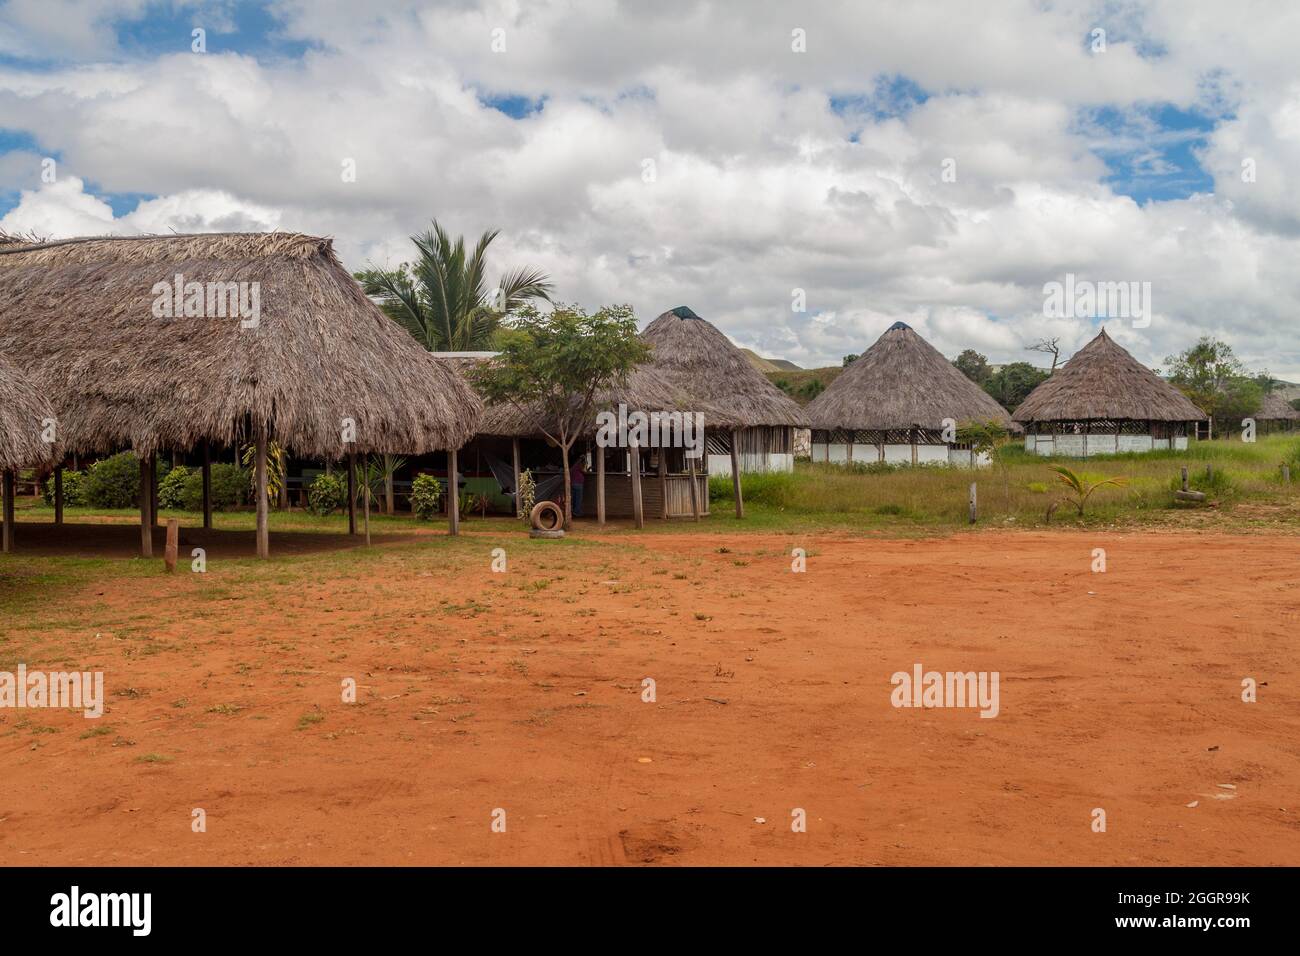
[668, 471]
[1277, 412]
[23, 414]
[168, 342]
[894, 402]
[743, 406]
[1103, 401]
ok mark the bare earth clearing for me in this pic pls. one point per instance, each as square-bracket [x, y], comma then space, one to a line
[522, 691]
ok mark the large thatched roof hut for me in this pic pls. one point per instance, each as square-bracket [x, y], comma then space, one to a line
[170, 342]
[25, 419]
[899, 402]
[699, 358]
[1104, 401]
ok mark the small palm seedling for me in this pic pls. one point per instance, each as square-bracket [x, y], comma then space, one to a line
[1079, 490]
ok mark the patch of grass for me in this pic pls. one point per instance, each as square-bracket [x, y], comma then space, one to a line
[153, 758]
[309, 719]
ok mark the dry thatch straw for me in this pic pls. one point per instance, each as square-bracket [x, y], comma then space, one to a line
[902, 381]
[646, 390]
[699, 359]
[1103, 381]
[23, 413]
[1274, 408]
[79, 315]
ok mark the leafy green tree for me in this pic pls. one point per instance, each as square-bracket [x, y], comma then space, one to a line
[443, 298]
[559, 364]
[850, 359]
[974, 366]
[1215, 380]
[1011, 384]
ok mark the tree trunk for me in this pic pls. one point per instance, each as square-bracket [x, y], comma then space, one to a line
[390, 504]
[568, 486]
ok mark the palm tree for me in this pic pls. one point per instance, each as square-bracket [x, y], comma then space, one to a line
[443, 299]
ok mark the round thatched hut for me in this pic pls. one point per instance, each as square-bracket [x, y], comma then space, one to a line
[900, 402]
[1104, 401]
[178, 342]
[657, 478]
[752, 417]
[26, 421]
[1276, 414]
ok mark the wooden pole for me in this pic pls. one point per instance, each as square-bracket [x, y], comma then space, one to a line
[973, 503]
[519, 505]
[153, 488]
[263, 531]
[634, 468]
[600, 485]
[663, 483]
[352, 492]
[1286, 473]
[7, 511]
[146, 525]
[365, 503]
[735, 473]
[173, 544]
[58, 494]
[284, 482]
[912, 436]
[207, 486]
[695, 491]
[453, 494]
[1184, 477]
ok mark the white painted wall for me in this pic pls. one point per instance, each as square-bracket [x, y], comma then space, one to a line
[894, 454]
[1072, 445]
[721, 464]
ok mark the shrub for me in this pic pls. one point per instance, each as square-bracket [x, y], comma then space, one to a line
[326, 494]
[74, 488]
[229, 488]
[171, 489]
[426, 492]
[114, 482]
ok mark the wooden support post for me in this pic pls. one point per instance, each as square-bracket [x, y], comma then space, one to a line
[58, 493]
[912, 435]
[263, 531]
[519, 505]
[207, 486]
[848, 449]
[146, 524]
[283, 503]
[663, 483]
[1286, 473]
[735, 473]
[634, 469]
[973, 503]
[365, 506]
[153, 488]
[453, 494]
[7, 511]
[352, 492]
[1209, 472]
[1184, 477]
[600, 485]
[173, 544]
[695, 491]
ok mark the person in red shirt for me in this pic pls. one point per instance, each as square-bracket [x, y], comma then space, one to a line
[577, 479]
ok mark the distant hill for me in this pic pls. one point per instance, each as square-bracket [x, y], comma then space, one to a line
[804, 384]
[765, 365]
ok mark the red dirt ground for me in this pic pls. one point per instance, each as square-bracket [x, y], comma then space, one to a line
[1119, 691]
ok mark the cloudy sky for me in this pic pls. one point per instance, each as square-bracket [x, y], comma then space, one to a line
[718, 155]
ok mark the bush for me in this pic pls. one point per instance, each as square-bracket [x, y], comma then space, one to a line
[74, 488]
[326, 494]
[114, 482]
[426, 492]
[171, 489]
[229, 488]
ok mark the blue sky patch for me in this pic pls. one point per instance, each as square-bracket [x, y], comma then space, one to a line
[1150, 151]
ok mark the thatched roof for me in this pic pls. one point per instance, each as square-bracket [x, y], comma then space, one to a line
[698, 358]
[1102, 381]
[1275, 408]
[23, 413]
[79, 315]
[902, 381]
[646, 390]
